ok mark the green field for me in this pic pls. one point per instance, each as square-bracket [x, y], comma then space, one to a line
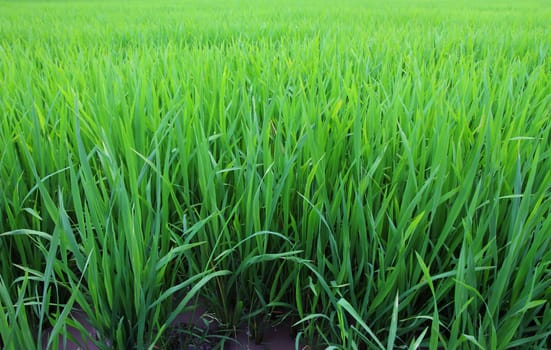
[377, 173]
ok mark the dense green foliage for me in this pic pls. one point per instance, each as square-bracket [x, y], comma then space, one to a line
[378, 173]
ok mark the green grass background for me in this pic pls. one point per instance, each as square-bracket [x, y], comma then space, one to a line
[378, 173]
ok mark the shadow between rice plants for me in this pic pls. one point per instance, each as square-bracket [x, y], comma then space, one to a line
[245, 298]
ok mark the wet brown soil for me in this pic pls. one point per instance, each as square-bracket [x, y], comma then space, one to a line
[211, 336]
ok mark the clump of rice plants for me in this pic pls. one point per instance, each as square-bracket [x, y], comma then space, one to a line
[378, 174]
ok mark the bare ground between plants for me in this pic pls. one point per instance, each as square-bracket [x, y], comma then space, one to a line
[207, 330]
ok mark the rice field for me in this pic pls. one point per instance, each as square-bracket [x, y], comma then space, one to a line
[376, 174]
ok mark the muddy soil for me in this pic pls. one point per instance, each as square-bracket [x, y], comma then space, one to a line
[272, 338]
